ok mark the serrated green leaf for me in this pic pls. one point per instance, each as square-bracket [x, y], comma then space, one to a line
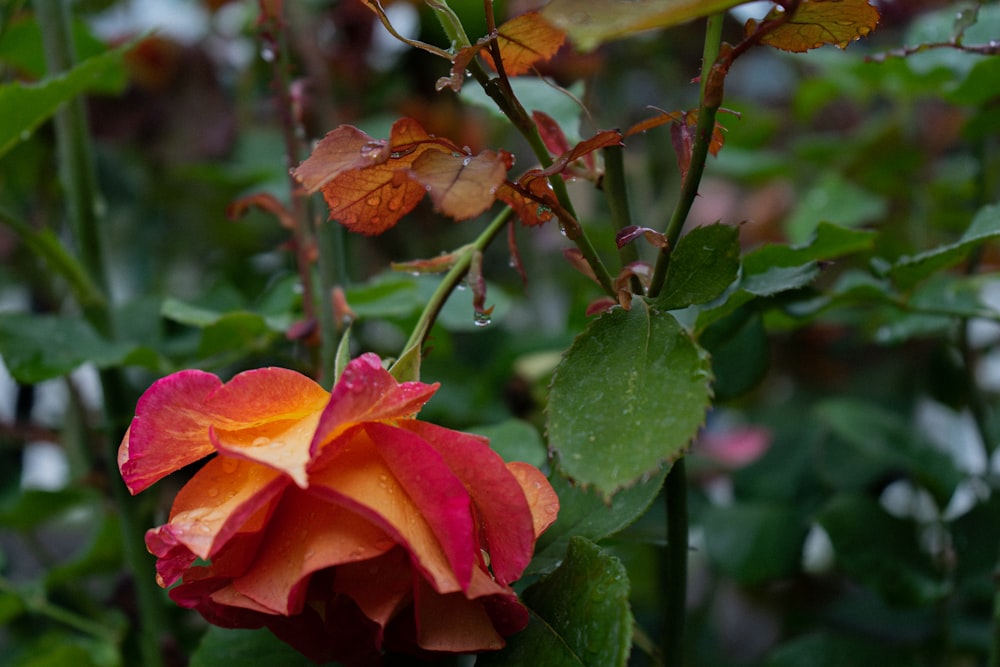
[908, 271]
[585, 513]
[627, 398]
[705, 262]
[41, 347]
[589, 23]
[780, 279]
[580, 615]
[221, 646]
[754, 542]
[837, 200]
[26, 106]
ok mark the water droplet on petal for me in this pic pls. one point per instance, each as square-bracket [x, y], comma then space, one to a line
[213, 492]
[230, 464]
[261, 442]
[552, 508]
[373, 201]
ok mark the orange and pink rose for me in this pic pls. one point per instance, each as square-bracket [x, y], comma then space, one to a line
[336, 520]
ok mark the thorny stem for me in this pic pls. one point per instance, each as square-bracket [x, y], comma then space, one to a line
[712, 78]
[272, 34]
[617, 198]
[79, 181]
[38, 604]
[408, 364]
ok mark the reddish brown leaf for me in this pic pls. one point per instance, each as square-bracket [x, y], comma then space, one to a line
[370, 184]
[342, 149]
[552, 135]
[461, 186]
[459, 64]
[525, 40]
[531, 211]
[819, 22]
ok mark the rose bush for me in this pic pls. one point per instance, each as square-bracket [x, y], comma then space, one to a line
[337, 520]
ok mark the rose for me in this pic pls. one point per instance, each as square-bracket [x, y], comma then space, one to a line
[336, 520]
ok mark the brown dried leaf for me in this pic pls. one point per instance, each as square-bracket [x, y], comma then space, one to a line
[461, 186]
[819, 22]
[525, 40]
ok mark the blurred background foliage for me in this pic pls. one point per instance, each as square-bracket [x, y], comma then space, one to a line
[843, 499]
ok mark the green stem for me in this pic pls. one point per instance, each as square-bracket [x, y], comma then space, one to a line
[329, 239]
[44, 245]
[78, 179]
[38, 604]
[617, 198]
[711, 99]
[675, 564]
[407, 367]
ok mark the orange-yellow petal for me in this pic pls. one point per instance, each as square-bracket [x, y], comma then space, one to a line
[359, 479]
[225, 497]
[268, 415]
[368, 392]
[542, 498]
[170, 428]
[305, 535]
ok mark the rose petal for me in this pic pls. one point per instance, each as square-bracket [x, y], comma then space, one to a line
[453, 623]
[305, 535]
[170, 428]
[359, 479]
[433, 487]
[368, 392]
[380, 586]
[268, 415]
[218, 502]
[265, 395]
[506, 517]
[542, 498]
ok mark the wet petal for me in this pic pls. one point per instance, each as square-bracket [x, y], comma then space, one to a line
[542, 498]
[265, 395]
[305, 535]
[359, 479]
[225, 497]
[368, 392]
[453, 623]
[506, 516]
[439, 495]
[282, 445]
[380, 586]
[170, 428]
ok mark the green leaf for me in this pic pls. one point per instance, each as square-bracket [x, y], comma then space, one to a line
[754, 542]
[779, 279]
[835, 200]
[705, 262]
[222, 646]
[515, 440]
[41, 347]
[585, 513]
[880, 551]
[580, 615]
[590, 23]
[31, 507]
[826, 650]
[21, 47]
[984, 226]
[26, 106]
[627, 398]
[887, 444]
[387, 295]
[828, 242]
